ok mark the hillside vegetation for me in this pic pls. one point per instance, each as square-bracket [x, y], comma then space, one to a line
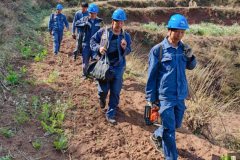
[42, 95]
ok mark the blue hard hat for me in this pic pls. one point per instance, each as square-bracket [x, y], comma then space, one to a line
[178, 21]
[93, 8]
[59, 7]
[119, 15]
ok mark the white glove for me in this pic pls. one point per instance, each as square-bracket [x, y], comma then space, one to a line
[89, 24]
[152, 104]
[187, 50]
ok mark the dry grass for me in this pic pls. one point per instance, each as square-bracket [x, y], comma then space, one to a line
[214, 80]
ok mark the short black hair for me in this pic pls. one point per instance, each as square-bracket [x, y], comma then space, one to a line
[84, 4]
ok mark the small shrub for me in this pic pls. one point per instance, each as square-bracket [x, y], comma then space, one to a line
[13, 78]
[62, 143]
[7, 133]
[21, 118]
[37, 143]
[5, 158]
[23, 70]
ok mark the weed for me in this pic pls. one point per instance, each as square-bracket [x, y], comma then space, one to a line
[26, 51]
[227, 158]
[37, 143]
[35, 103]
[13, 78]
[7, 133]
[39, 66]
[5, 158]
[84, 102]
[68, 33]
[10, 67]
[62, 143]
[45, 112]
[41, 54]
[92, 110]
[23, 70]
[53, 76]
[21, 118]
[98, 140]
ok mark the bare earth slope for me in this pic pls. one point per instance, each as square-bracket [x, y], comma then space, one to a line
[92, 137]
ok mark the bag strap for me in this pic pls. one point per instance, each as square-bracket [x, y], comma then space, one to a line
[160, 56]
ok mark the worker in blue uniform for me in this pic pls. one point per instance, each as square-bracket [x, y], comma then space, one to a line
[56, 27]
[118, 46]
[78, 15]
[167, 84]
[92, 25]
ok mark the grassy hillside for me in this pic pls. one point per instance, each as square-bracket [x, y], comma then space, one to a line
[24, 38]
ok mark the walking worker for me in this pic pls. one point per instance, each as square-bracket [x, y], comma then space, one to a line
[92, 25]
[167, 84]
[56, 27]
[78, 15]
[118, 46]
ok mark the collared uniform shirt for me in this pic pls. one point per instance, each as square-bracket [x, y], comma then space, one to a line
[57, 21]
[89, 31]
[168, 82]
[95, 44]
[78, 15]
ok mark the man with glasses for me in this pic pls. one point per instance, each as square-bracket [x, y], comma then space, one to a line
[118, 46]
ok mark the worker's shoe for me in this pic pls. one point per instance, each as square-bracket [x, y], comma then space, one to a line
[95, 81]
[55, 53]
[74, 58]
[112, 121]
[102, 104]
[84, 77]
[157, 142]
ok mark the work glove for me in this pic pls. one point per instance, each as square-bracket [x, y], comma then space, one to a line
[89, 24]
[187, 50]
[152, 104]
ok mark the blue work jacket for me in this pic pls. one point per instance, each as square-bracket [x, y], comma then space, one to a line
[89, 31]
[78, 15]
[56, 22]
[95, 44]
[168, 82]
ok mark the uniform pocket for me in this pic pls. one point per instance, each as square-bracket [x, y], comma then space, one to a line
[166, 62]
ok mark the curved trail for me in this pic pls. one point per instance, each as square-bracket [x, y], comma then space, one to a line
[92, 137]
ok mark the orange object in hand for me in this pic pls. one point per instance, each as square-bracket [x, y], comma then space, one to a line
[154, 114]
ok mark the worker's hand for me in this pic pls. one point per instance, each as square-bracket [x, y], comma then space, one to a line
[68, 29]
[73, 36]
[123, 44]
[50, 32]
[102, 50]
[187, 50]
[153, 104]
[89, 24]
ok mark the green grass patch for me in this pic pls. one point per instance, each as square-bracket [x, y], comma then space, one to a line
[198, 29]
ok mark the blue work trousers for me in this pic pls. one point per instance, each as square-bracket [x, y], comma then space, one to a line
[171, 113]
[115, 87]
[57, 39]
[86, 54]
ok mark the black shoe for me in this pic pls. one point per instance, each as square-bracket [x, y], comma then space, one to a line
[157, 142]
[55, 53]
[102, 104]
[112, 121]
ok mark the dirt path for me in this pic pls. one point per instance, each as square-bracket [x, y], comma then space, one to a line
[92, 137]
